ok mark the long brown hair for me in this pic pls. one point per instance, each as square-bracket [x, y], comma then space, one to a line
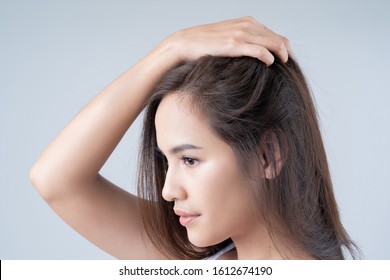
[248, 106]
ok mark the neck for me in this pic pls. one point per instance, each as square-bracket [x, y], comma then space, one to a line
[256, 244]
[257, 247]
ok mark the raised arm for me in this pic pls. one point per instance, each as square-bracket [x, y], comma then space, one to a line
[67, 173]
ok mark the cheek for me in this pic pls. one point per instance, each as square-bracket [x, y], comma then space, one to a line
[220, 186]
[219, 194]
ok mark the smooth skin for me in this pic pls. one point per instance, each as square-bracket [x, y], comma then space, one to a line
[67, 173]
[205, 182]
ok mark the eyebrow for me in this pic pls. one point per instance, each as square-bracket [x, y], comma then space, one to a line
[180, 148]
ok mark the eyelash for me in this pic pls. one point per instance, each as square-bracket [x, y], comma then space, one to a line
[187, 159]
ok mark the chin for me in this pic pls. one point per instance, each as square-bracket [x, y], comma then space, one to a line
[201, 240]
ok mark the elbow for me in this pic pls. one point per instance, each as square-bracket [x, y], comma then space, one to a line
[53, 183]
[41, 182]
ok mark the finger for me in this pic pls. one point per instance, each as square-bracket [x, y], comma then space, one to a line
[264, 36]
[259, 52]
[275, 44]
[288, 45]
[246, 19]
[286, 42]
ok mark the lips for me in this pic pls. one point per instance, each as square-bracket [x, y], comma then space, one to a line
[186, 219]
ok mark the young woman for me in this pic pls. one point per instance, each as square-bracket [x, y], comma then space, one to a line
[232, 164]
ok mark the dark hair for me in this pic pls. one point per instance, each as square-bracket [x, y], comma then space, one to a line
[249, 105]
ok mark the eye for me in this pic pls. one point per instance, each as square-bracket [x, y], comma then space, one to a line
[190, 161]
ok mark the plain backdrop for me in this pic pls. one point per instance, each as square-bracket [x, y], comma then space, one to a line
[56, 55]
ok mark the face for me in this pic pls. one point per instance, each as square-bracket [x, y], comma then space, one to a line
[203, 179]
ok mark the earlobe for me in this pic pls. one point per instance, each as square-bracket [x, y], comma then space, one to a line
[271, 157]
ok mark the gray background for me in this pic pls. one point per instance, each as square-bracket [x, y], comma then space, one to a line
[56, 55]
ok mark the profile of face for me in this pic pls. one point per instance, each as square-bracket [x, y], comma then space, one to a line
[203, 179]
[242, 158]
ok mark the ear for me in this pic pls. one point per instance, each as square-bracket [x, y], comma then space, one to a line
[271, 157]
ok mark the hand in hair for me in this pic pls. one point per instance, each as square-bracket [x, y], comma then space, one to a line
[67, 173]
[232, 38]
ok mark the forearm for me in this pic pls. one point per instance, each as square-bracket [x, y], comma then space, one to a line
[83, 146]
[81, 149]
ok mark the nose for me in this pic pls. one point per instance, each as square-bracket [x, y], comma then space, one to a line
[173, 186]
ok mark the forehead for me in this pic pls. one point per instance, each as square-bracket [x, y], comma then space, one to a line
[178, 123]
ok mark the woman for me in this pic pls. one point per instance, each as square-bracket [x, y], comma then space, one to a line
[231, 162]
